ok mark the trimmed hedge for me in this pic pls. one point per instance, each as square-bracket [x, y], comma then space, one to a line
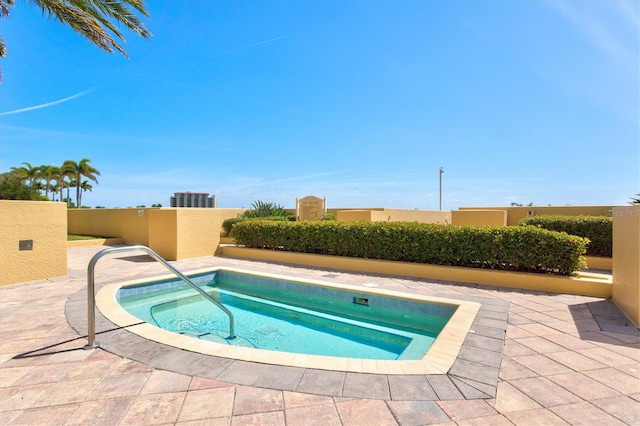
[598, 229]
[515, 248]
[228, 224]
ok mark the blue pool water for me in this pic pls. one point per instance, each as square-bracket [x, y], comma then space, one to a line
[288, 316]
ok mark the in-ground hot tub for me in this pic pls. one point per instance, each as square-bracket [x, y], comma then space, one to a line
[295, 322]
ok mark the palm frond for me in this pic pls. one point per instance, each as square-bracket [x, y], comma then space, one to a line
[96, 19]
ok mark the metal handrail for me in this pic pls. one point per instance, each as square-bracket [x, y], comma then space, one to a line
[91, 294]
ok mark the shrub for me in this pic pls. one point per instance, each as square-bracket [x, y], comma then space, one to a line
[522, 248]
[260, 209]
[598, 229]
[228, 224]
[13, 188]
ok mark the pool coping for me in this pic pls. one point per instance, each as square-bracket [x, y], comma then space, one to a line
[437, 360]
[471, 373]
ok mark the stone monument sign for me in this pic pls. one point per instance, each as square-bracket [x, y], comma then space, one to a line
[310, 208]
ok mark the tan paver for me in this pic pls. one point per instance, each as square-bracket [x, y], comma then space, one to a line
[558, 367]
[207, 404]
[325, 414]
[584, 413]
[269, 418]
[365, 412]
[152, 409]
[250, 400]
[509, 399]
[466, 409]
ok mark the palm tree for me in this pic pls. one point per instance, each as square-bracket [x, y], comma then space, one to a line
[77, 171]
[97, 20]
[48, 174]
[68, 185]
[86, 186]
[54, 190]
[27, 172]
[64, 172]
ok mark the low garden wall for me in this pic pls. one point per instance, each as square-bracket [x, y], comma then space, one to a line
[594, 285]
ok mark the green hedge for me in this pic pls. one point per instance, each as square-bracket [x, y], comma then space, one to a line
[228, 224]
[515, 248]
[598, 229]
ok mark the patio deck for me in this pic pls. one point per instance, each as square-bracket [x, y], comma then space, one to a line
[536, 358]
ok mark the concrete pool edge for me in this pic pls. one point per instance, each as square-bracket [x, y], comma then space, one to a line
[474, 374]
[438, 360]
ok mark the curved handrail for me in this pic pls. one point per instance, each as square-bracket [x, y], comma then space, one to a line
[91, 294]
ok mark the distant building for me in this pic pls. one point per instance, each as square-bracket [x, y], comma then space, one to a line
[193, 199]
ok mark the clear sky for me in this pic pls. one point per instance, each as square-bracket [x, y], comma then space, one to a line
[360, 102]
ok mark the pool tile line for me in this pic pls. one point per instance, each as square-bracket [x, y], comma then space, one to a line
[473, 374]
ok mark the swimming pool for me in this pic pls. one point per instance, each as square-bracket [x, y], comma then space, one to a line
[283, 315]
[399, 331]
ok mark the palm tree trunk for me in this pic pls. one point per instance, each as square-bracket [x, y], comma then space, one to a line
[78, 201]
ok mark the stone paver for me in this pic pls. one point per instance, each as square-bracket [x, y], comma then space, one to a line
[373, 386]
[250, 400]
[411, 388]
[535, 358]
[325, 414]
[584, 413]
[365, 412]
[418, 412]
[466, 409]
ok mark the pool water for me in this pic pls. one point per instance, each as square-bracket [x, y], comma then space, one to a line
[288, 316]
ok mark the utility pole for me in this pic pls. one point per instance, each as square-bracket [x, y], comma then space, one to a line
[441, 172]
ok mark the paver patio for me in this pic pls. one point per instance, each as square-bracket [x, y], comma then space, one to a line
[560, 359]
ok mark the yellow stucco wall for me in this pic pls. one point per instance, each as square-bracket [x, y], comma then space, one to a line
[163, 232]
[395, 215]
[45, 223]
[405, 215]
[130, 224]
[626, 261]
[198, 233]
[479, 217]
[516, 213]
[353, 215]
[184, 233]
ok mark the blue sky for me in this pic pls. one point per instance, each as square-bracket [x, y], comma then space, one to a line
[360, 102]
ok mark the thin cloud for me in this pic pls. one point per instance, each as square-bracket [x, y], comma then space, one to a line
[630, 12]
[251, 46]
[46, 105]
[602, 34]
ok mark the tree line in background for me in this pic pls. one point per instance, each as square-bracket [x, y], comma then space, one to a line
[47, 182]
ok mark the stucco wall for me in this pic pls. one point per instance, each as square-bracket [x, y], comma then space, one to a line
[163, 232]
[44, 223]
[184, 233]
[395, 215]
[626, 261]
[198, 232]
[516, 213]
[174, 233]
[130, 224]
[353, 215]
[479, 217]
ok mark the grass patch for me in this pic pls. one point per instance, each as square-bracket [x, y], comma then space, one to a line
[73, 237]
